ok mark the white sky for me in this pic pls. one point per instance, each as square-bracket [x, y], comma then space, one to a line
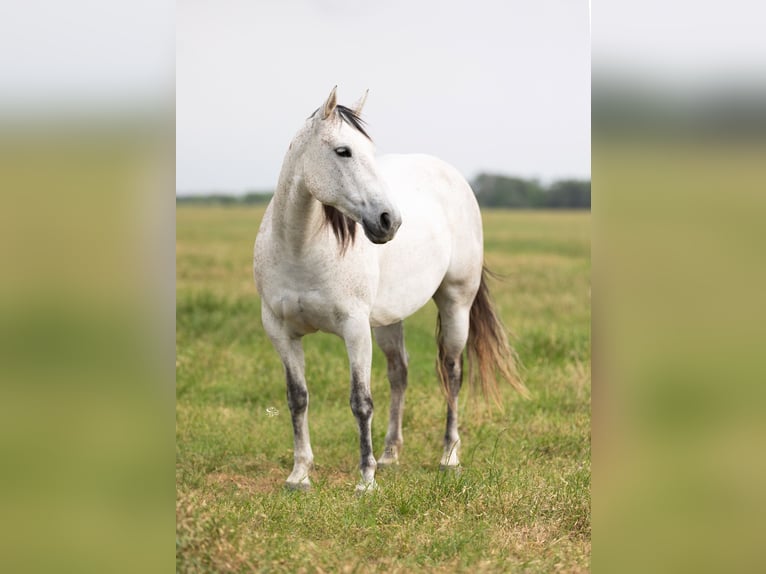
[488, 85]
[78, 55]
[689, 44]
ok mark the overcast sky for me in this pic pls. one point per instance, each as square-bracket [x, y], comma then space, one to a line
[488, 85]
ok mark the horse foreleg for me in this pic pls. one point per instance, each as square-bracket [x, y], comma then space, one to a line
[298, 401]
[391, 341]
[291, 352]
[359, 346]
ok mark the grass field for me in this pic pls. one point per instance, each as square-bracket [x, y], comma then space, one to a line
[522, 501]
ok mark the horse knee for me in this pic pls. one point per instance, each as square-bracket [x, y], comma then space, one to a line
[397, 371]
[450, 369]
[361, 405]
[401, 380]
[452, 364]
[297, 399]
[297, 396]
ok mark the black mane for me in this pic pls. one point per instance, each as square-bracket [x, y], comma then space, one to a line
[342, 226]
[351, 118]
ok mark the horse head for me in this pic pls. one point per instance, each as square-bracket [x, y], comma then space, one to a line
[339, 169]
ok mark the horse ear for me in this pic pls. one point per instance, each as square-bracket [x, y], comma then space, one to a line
[329, 105]
[360, 104]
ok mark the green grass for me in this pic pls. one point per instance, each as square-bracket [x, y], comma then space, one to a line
[522, 501]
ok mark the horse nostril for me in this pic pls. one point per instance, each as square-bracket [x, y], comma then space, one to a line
[385, 221]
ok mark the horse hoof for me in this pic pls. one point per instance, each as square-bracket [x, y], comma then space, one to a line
[301, 486]
[452, 468]
[387, 462]
[364, 488]
[389, 457]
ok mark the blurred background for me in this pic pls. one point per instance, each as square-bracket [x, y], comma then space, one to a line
[88, 105]
[86, 296]
[679, 127]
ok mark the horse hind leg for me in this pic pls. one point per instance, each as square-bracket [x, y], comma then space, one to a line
[391, 341]
[452, 335]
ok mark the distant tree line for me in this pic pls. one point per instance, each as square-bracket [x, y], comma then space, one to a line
[517, 193]
[726, 112]
[253, 198]
[491, 191]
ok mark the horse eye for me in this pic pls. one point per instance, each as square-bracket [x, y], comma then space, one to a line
[343, 151]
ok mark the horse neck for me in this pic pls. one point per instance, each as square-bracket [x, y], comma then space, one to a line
[297, 215]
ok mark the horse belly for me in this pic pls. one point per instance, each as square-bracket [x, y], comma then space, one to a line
[399, 301]
[440, 235]
[412, 266]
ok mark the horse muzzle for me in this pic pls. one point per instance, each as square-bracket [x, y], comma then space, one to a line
[383, 228]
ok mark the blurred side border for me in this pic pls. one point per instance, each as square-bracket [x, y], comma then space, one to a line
[678, 321]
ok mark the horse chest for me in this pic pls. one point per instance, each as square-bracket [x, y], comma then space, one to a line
[308, 306]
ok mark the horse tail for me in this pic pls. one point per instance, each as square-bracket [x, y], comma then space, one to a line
[489, 352]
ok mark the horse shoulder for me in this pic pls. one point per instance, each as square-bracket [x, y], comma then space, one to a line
[261, 247]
